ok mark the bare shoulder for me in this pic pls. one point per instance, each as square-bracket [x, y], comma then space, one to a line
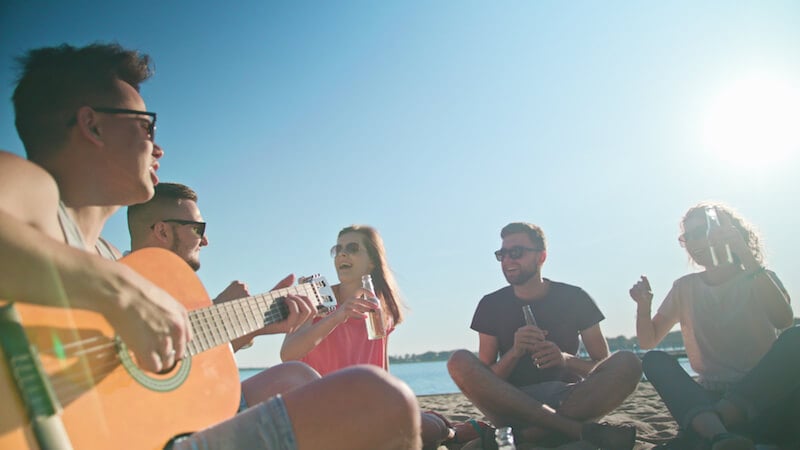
[28, 192]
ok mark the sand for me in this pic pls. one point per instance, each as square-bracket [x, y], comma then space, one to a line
[643, 409]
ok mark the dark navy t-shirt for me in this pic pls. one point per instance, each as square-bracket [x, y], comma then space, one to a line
[564, 312]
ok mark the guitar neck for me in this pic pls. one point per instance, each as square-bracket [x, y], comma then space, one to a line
[221, 323]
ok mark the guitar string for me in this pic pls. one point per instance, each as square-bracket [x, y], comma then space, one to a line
[100, 350]
[66, 386]
[201, 326]
[102, 362]
[207, 323]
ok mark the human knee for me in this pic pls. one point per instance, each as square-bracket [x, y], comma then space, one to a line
[301, 372]
[276, 380]
[459, 363]
[628, 364]
[394, 398]
[655, 361]
[375, 383]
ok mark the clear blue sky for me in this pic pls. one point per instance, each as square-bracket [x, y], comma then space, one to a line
[440, 122]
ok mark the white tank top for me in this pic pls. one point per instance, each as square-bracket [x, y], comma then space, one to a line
[73, 236]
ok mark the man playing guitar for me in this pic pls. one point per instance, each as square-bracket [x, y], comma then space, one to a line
[91, 149]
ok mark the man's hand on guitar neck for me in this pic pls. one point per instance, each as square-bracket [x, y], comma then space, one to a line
[300, 308]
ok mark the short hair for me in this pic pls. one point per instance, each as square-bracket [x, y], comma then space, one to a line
[173, 191]
[533, 231]
[141, 216]
[748, 232]
[54, 82]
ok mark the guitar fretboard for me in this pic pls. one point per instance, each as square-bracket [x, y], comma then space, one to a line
[218, 324]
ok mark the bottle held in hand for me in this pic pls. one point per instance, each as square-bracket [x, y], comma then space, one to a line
[712, 220]
[376, 327]
[529, 319]
[504, 437]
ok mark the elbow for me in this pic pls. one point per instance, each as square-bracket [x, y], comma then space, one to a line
[646, 344]
[287, 356]
[286, 353]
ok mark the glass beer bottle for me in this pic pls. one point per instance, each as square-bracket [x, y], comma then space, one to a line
[376, 327]
[504, 437]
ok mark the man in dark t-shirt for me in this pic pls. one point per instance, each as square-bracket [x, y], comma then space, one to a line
[527, 375]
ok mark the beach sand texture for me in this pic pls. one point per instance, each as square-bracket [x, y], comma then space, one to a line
[643, 409]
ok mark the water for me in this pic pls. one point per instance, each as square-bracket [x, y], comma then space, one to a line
[423, 378]
[426, 378]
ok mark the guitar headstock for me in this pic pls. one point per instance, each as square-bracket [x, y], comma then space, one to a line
[324, 299]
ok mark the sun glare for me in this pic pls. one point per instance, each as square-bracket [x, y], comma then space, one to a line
[754, 121]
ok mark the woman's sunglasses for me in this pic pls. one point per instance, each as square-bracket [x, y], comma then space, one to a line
[351, 248]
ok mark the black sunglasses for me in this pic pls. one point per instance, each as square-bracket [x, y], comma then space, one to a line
[151, 124]
[350, 248]
[515, 252]
[199, 228]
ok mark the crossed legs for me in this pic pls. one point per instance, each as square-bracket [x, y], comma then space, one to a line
[361, 407]
[762, 402]
[604, 389]
[276, 380]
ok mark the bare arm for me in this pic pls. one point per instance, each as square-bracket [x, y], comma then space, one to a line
[775, 300]
[765, 288]
[299, 309]
[597, 347]
[650, 331]
[488, 350]
[299, 342]
[38, 267]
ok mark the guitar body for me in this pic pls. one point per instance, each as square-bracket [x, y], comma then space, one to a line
[108, 402]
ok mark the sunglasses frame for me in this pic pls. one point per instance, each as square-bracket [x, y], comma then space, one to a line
[202, 225]
[514, 252]
[151, 130]
[351, 248]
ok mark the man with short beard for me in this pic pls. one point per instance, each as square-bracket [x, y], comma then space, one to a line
[528, 375]
[172, 220]
[90, 143]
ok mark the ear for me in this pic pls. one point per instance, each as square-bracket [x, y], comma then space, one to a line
[162, 233]
[542, 257]
[88, 125]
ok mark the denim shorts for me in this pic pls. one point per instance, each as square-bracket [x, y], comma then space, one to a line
[551, 393]
[265, 426]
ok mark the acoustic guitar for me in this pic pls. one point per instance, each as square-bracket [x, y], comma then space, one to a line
[67, 381]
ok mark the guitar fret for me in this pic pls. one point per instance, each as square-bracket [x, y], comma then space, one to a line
[216, 333]
[247, 315]
[223, 322]
[232, 327]
[206, 338]
[220, 321]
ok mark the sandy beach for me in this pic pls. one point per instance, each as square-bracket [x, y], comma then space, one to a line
[643, 409]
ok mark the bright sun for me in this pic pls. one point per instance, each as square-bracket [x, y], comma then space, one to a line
[754, 121]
